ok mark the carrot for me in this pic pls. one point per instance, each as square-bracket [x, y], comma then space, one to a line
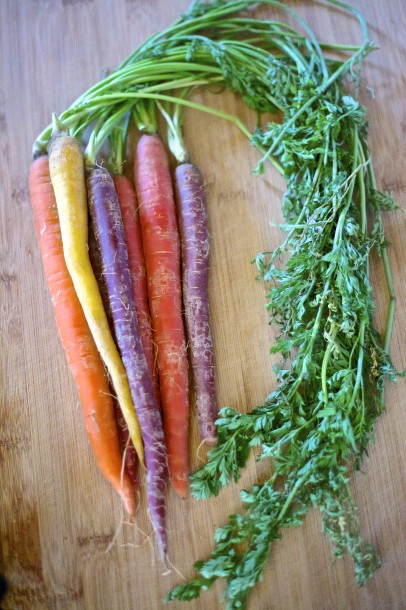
[162, 259]
[190, 197]
[126, 444]
[68, 180]
[127, 447]
[81, 352]
[127, 199]
[109, 232]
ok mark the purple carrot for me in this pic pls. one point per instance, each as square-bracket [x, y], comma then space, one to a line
[109, 231]
[195, 263]
[126, 444]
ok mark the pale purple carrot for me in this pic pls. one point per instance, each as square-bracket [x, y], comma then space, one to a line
[190, 195]
[126, 444]
[108, 227]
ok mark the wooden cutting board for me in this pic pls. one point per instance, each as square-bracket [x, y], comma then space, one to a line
[64, 541]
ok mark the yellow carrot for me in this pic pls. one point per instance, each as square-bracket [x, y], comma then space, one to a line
[68, 179]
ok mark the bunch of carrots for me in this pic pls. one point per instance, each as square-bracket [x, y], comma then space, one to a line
[127, 265]
[120, 302]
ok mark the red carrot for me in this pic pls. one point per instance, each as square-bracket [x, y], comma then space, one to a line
[109, 231]
[162, 259]
[127, 447]
[127, 199]
[83, 358]
[191, 207]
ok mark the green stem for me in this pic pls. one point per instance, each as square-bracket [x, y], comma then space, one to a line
[172, 99]
[324, 365]
[356, 13]
[144, 115]
[340, 47]
[350, 191]
[392, 301]
[175, 139]
[388, 276]
[118, 158]
[57, 124]
[129, 75]
[362, 194]
[118, 139]
[291, 496]
[359, 377]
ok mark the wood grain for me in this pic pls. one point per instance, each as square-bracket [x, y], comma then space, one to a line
[58, 517]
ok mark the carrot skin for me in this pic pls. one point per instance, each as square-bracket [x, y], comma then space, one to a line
[109, 232]
[127, 199]
[81, 352]
[162, 259]
[191, 206]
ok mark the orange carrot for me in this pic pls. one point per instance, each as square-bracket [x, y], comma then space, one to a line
[127, 199]
[83, 358]
[162, 259]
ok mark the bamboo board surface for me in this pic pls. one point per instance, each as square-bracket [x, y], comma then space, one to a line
[64, 542]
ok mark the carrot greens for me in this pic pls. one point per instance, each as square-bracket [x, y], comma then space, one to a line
[319, 421]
